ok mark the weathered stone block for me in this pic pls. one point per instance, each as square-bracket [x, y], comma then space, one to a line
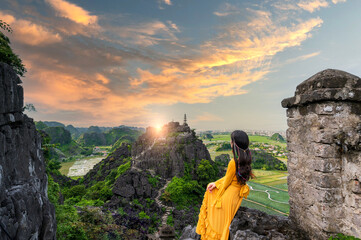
[327, 180]
[325, 150]
[328, 165]
[293, 113]
[353, 201]
[356, 186]
[295, 122]
[327, 108]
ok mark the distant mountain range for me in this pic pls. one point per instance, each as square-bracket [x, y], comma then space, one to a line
[77, 131]
[84, 129]
[80, 140]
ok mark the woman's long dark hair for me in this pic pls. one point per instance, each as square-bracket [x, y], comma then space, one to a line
[242, 156]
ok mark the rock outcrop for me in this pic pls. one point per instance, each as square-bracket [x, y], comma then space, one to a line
[324, 161]
[254, 224]
[102, 169]
[167, 151]
[25, 210]
[135, 185]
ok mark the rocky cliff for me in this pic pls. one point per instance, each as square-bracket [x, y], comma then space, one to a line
[25, 210]
[168, 151]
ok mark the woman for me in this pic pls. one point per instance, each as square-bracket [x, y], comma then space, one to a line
[223, 197]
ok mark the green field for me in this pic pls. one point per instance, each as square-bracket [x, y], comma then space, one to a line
[275, 178]
[250, 204]
[273, 181]
[252, 138]
[279, 197]
[65, 167]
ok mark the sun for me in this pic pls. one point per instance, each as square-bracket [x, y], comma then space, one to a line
[158, 127]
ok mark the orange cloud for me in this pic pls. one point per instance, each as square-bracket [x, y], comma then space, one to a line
[115, 83]
[30, 33]
[72, 12]
[312, 5]
[216, 69]
[168, 2]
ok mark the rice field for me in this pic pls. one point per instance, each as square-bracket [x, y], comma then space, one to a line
[269, 189]
[252, 138]
[65, 167]
[275, 178]
[79, 167]
[268, 197]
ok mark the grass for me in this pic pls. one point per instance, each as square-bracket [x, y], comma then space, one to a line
[105, 147]
[251, 204]
[271, 178]
[65, 167]
[266, 140]
[283, 186]
[262, 197]
[221, 137]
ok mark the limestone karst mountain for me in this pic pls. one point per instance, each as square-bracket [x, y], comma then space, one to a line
[169, 150]
[25, 210]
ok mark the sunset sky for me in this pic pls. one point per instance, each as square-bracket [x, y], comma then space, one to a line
[227, 64]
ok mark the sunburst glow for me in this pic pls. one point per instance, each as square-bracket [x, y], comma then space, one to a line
[158, 127]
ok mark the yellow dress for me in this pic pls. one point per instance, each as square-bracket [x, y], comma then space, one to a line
[219, 206]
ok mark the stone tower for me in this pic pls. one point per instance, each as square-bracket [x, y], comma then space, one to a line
[324, 162]
[185, 119]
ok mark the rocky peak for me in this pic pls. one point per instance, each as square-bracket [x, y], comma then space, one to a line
[169, 150]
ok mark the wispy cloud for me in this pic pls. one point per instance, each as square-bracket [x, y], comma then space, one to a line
[162, 3]
[112, 74]
[72, 12]
[168, 2]
[207, 117]
[223, 69]
[312, 5]
[338, 1]
[146, 33]
[303, 57]
[226, 10]
[30, 33]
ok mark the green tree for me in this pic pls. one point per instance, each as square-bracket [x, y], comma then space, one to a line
[206, 172]
[29, 107]
[6, 53]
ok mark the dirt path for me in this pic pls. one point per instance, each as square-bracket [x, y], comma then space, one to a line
[161, 205]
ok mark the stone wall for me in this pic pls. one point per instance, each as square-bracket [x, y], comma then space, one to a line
[324, 162]
[25, 210]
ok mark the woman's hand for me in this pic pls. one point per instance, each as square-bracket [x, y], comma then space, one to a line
[211, 186]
